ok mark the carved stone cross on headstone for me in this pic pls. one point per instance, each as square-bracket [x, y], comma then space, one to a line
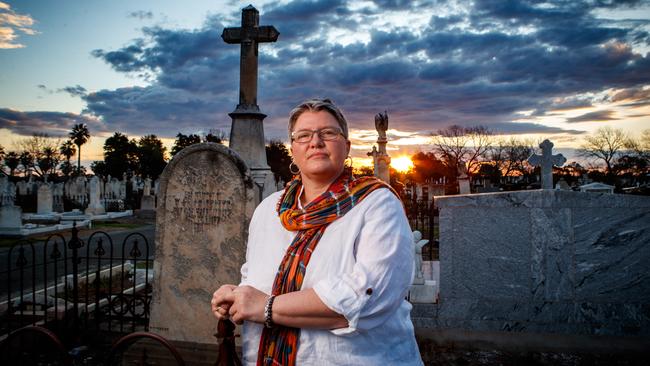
[546, 162]
[249, 35]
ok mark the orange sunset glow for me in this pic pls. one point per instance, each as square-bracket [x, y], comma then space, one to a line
[401, 163]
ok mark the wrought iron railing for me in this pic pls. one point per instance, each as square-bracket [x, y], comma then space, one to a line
[80, 290]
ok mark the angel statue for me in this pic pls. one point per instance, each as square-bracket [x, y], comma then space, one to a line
[418, 243]
[381, 124]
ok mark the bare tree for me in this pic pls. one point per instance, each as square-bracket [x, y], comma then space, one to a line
[636, 158]
[462, 147]
[605, 144]
[43, 151]
[511, 155]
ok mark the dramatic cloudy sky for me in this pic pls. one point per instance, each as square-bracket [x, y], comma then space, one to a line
[534, 69]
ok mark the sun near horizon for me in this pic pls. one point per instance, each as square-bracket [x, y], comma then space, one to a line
[401, 163]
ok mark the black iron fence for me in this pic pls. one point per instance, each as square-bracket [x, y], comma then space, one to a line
[423, 217]
[82, 291]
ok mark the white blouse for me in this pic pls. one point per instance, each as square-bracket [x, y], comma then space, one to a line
[361, 268]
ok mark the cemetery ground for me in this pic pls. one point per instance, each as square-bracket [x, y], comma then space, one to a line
[434, 350]
[117, 226]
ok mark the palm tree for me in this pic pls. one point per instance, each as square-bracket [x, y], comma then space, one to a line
[67, 149]
[11, 161]
[79, 136]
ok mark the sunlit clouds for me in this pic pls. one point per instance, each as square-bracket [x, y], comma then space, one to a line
[522, 68]
[12, 25]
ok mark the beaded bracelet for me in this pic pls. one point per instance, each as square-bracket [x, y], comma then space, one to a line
[268, 312]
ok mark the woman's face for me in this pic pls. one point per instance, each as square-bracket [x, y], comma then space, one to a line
[317, 159]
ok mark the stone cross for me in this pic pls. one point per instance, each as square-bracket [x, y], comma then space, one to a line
[249, 35]
[247, 130]
[546, 162]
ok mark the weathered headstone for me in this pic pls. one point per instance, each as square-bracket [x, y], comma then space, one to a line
[463, 182]
[44, 199]
[147, 202]
[380, 158]
[23, 190]
[10, 214]
[76, 190]
[57, 197]
[207, 198]
[95, 207]
[247, 129]
[546, 162]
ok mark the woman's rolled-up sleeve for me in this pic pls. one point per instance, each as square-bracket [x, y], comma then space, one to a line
[374, 289]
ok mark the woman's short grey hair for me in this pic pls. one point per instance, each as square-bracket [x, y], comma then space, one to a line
[317, 105]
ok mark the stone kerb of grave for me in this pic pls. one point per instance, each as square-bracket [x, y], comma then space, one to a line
[207, 198]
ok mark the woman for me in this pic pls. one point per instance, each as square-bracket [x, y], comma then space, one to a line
[328, 262]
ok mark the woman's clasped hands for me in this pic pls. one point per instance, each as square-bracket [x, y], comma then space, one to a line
[239, 303]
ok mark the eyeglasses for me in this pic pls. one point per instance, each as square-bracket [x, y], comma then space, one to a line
[325, 134]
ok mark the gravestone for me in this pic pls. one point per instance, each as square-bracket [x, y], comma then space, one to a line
[463, 183]
[57, 197]
[44, 200]
[10, 214]
[147, 202]
[207, 198]
[76, 190]
[22, 188]
[546, 162]
[542, 269]
[95, 207]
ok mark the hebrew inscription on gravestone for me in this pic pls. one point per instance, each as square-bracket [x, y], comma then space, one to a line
[206, 202]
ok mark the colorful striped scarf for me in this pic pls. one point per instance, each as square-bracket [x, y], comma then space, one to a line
[279, 345]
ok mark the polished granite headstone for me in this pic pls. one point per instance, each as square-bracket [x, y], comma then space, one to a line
[552, 262]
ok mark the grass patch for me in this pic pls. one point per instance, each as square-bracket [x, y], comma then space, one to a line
[115, 224]
[7, 242]
[143, 264]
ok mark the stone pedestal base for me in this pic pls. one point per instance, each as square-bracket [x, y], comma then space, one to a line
[10, 217]
[148, 203]
[96, 210]
[422, 294]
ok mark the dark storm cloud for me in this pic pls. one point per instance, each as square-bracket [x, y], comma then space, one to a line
[51, 123]
[473, 66]
[598, 116]
[156, 109]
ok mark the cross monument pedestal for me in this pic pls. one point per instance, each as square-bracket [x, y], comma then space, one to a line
[247, 130]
